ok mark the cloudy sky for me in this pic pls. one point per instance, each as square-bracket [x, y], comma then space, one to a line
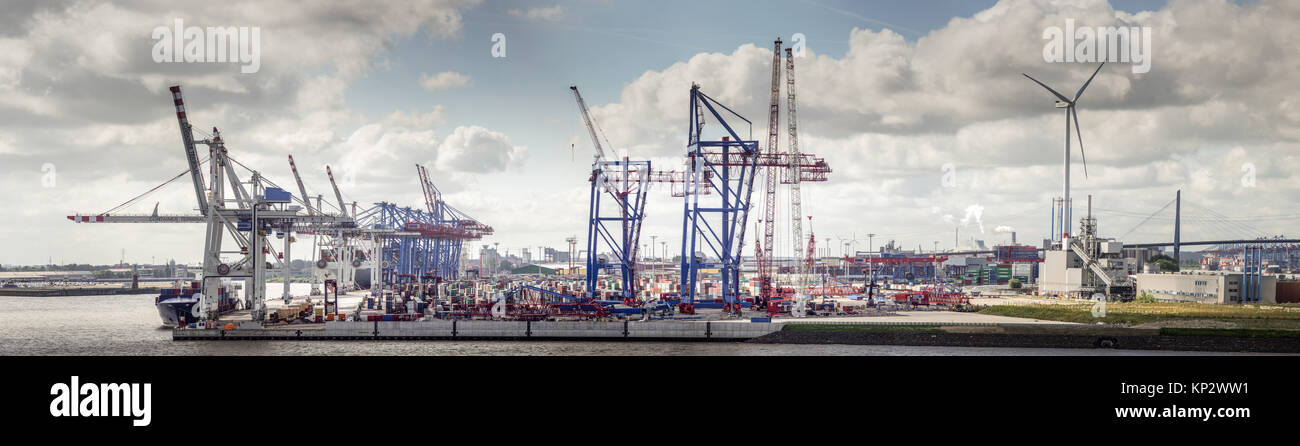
[889, 94]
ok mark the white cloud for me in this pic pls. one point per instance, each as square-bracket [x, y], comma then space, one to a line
[889, 113]
[443, 81]
[886, 113]
[476, 149]
[79, 90]
[548, 14]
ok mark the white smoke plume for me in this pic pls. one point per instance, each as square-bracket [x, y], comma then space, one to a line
[974, 212]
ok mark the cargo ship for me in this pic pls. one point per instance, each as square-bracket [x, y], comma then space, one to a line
[182, 304]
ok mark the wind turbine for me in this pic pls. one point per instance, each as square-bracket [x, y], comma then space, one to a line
[1070, 114]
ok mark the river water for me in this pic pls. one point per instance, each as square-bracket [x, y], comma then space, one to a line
[129, 325]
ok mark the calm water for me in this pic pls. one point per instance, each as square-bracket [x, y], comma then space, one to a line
[129, 325]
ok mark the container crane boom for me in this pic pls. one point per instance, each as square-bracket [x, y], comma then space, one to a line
[301, 189]
[343, 207]
[591, 127]
[431, 194]
[191, 154]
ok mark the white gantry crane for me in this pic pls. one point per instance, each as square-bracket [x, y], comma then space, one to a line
[256, 210]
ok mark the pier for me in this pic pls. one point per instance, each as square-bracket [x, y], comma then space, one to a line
[489, 330]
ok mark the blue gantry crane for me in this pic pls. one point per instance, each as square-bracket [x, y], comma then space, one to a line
[621, 231]
[724, 167]
[624, 183]
[424, 243]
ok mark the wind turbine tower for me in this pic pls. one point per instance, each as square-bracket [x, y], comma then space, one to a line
[1086, 266]
[1070, 115]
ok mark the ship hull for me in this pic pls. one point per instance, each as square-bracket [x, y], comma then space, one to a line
[173, 310]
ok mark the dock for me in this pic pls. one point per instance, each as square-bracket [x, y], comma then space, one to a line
[725, 331]
[712, 327]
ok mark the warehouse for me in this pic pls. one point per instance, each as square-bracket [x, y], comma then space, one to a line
[1204, 286]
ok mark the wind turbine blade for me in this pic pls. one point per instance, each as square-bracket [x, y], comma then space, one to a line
[1075, 113]
[1085, 84]
[1048, 88]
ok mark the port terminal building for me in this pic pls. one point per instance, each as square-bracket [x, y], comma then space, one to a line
[1222, 287]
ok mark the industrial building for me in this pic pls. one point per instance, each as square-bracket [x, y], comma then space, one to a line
[1075, 274]
[1218, 287]
[1083, 266]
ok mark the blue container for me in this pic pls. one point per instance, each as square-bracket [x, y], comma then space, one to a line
[760, 319]
[276, 195]
[388, 317]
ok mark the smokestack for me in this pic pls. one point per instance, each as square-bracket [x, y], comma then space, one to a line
[1069, 216]
[1013, 237]
[1052, 235]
